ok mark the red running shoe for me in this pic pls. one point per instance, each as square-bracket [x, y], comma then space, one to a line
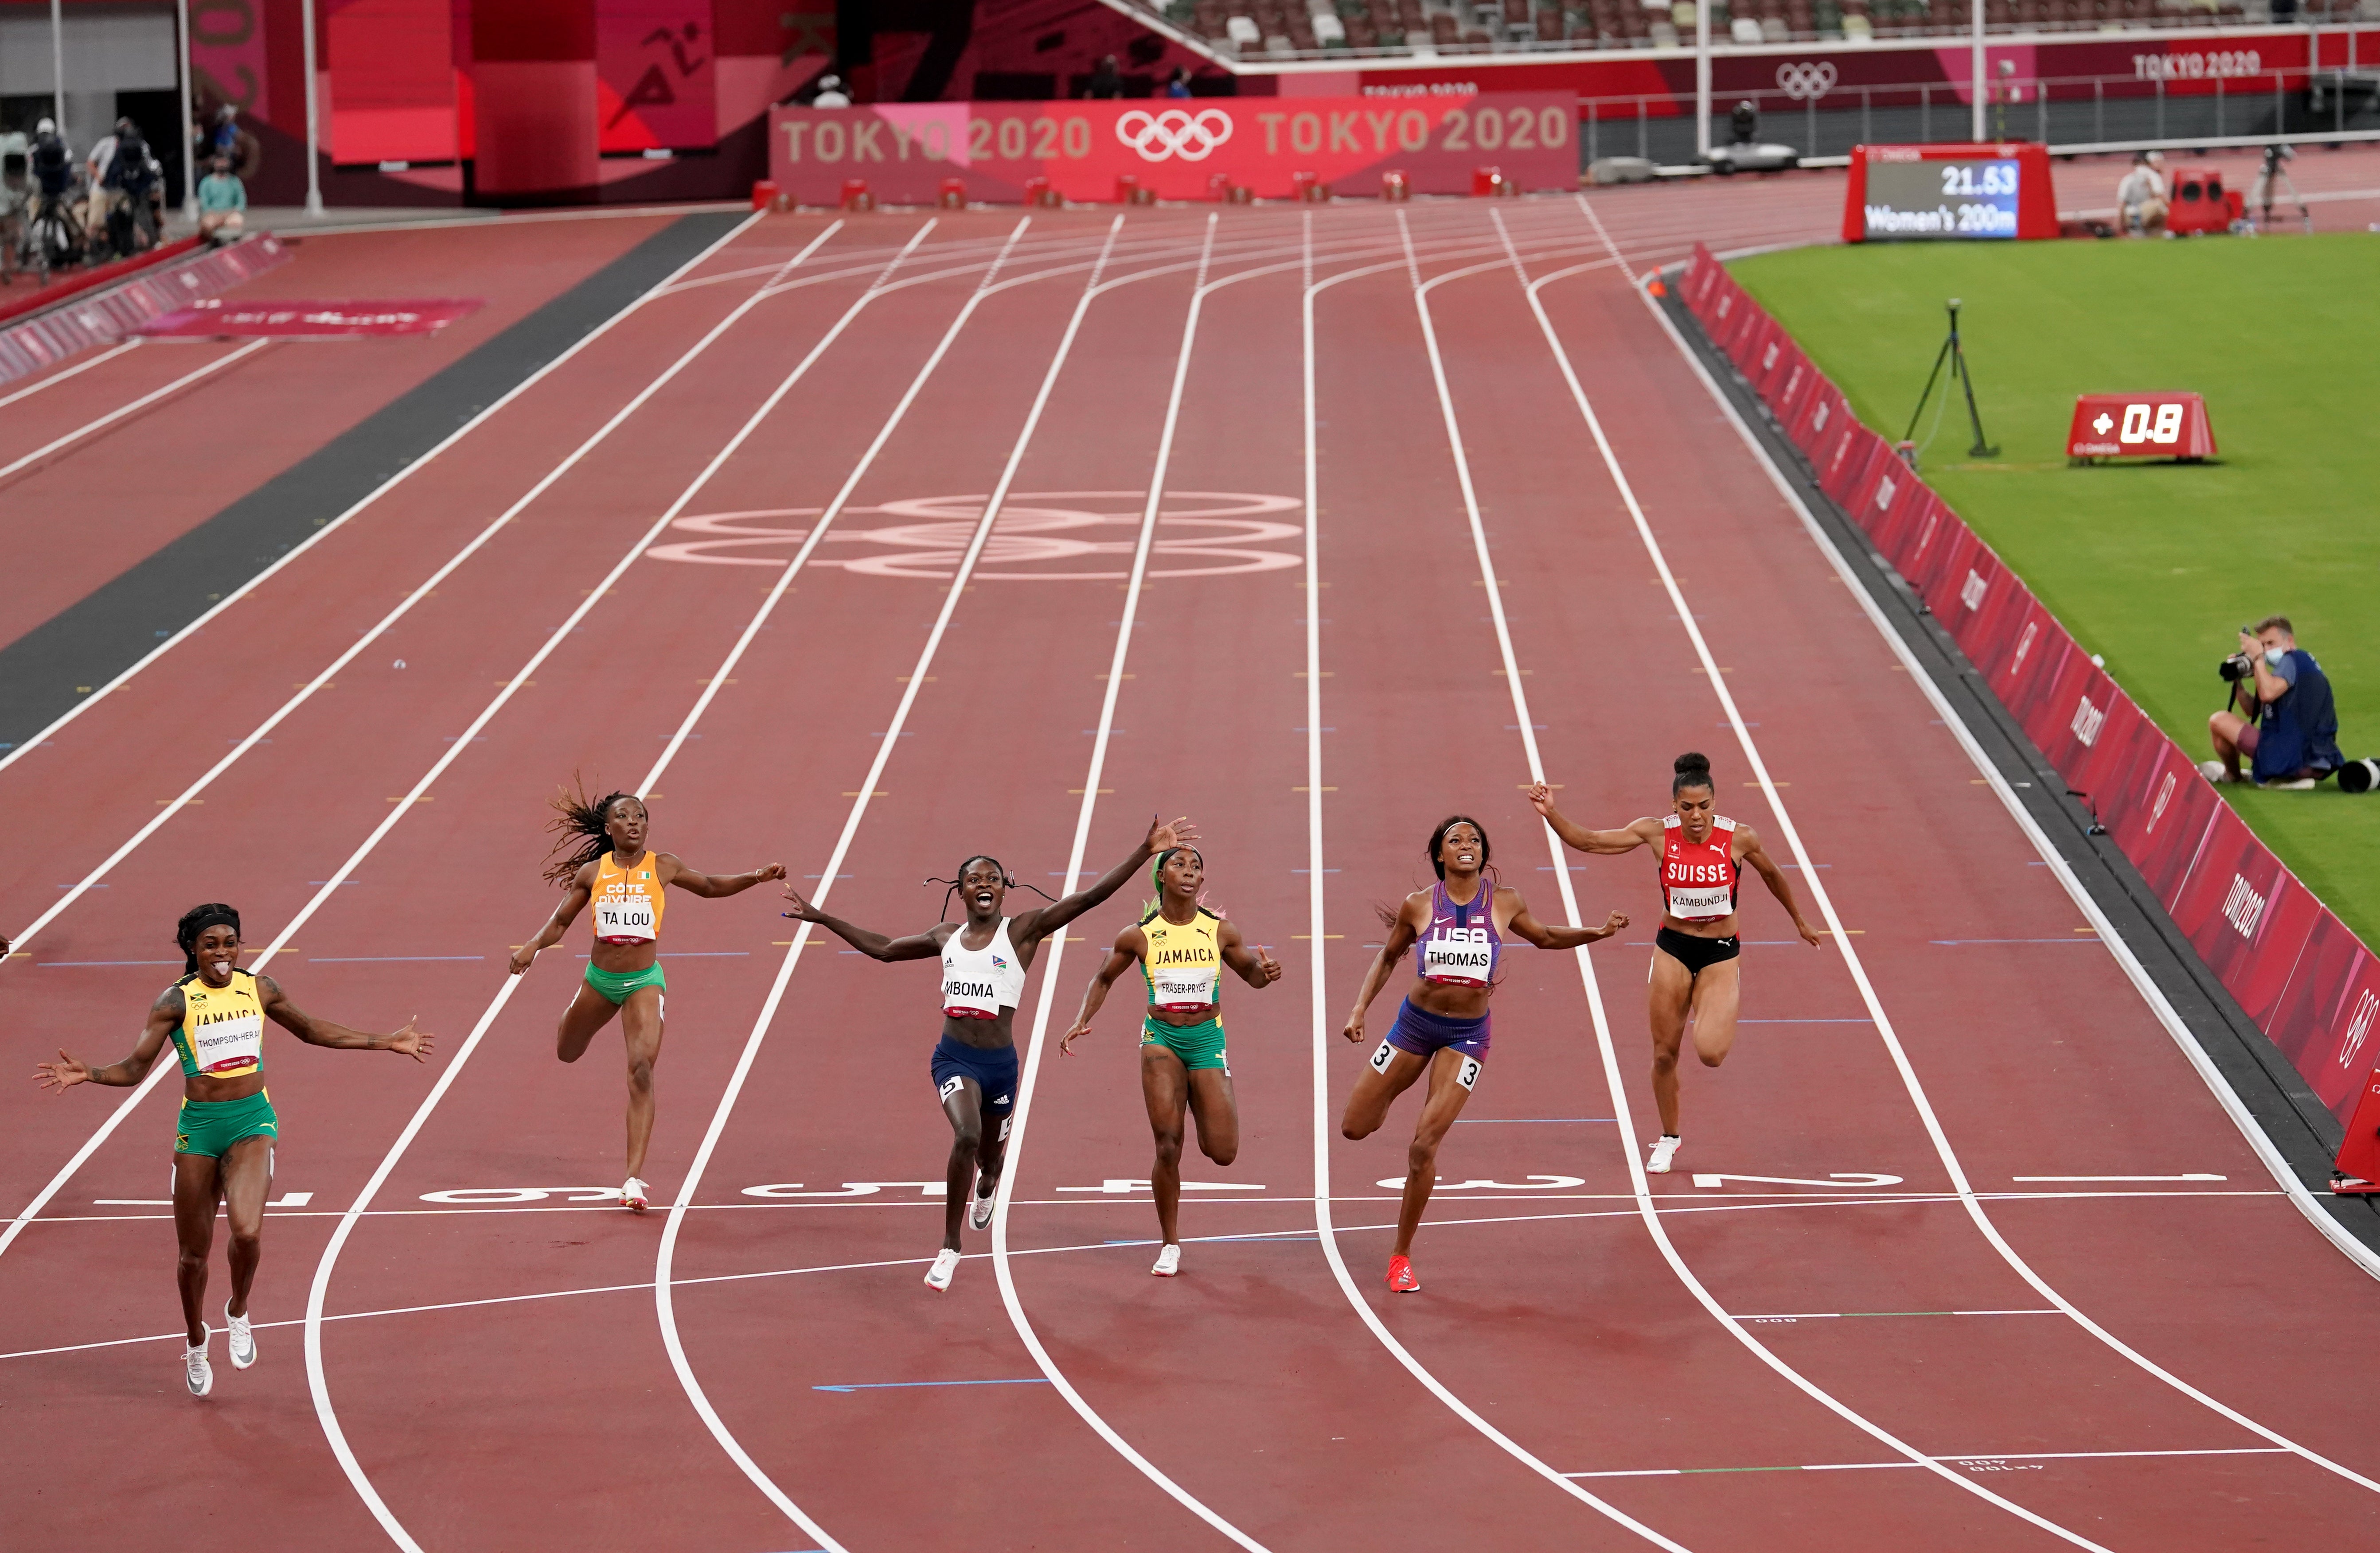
[1402, 1278]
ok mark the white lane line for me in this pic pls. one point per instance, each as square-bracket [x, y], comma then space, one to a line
[1934, 1132]
[2193, 1175]
[665, 1307]
[76, 370]
[1852, 1315]
[317, 1380]
[134, 407]
[1323, 1032]
[245, 589]
[1619, 1106]
[1978, 1460]
[325, 677]
[1050, 987]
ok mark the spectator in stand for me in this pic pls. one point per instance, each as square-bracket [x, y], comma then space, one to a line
[1107, 79]
[1178, 84]
[2290, 729]
[2141, 199]
[247, 153]
[223, 202]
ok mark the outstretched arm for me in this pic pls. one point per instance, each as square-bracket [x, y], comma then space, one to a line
[573, 901]
[413, 1043]
[875, 945]
[1402, 932]
[65, 1072]
[1577, 837]
[1257, 967]
[714, 886]
[1042, 921]
[1524, 925]
[1126, 952]
[1779, 885]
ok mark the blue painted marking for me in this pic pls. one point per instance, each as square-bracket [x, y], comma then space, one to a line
[902, 1385]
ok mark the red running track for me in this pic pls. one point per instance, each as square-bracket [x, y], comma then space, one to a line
[488, 1333]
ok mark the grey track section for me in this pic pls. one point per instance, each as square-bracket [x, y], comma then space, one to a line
[2297, 1122]
[48, 670]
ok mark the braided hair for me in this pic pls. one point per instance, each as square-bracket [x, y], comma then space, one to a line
[961, 873]
[581, 830]
[197, 921]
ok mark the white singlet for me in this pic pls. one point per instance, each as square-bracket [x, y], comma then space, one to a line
[978, 983]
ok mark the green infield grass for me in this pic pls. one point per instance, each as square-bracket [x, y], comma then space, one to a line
[2156, 565]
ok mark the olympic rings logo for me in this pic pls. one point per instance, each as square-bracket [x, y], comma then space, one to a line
[1174, 132]
[1806, 81]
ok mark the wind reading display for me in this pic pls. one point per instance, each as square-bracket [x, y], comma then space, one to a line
[1941, 199]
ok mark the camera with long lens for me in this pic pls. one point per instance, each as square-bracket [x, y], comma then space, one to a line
[2239, 665]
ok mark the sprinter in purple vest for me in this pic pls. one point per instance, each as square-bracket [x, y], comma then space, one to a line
[1459, 926]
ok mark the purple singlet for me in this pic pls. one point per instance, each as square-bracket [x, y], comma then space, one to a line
[1460, 947]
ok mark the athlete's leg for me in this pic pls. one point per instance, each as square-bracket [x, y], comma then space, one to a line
[641, 1023]
[964, 1106]
[1447, 1095]
[1377, 1089]
[1218, 1111]
[1165, 1088]
[1717, 993]
[1671, 988]
[198, 1187]
[247, 1176]
[588, 1013]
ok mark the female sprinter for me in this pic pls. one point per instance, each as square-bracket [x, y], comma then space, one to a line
[223, 1139]
[984, 962]
[1462, 924]
[609, 864]
[1693, 974]
[1182, 949]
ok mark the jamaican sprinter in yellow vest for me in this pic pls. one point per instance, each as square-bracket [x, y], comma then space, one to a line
[600, 859]
[224, 1135]
[1183, 950]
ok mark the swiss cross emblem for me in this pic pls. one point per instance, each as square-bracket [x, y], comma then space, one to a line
[2101, 424]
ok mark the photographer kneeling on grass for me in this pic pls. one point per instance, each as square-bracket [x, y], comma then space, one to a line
[2290, 729]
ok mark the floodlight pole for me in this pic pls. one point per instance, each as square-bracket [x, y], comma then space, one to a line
[189, 142]
[1701, 78]
[1981, 87]
[313, 126]
[58, 65]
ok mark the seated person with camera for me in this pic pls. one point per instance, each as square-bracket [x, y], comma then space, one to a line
[2289, 731]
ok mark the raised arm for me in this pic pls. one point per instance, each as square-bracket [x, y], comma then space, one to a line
[413, 1043]
[875, 945]
[1524, 925]
[1257, 967]
[1402, 932]
[1129, 948]
[1779, 885]
[164, 1015]
[1040, 923]
[573, 901]
[1578, 838]
[714, 886]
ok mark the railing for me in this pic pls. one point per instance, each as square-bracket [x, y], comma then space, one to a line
[2066, 113]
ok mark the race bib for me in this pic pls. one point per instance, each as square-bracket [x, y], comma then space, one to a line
[234, 1045]
[1700, 902]
[1184, 987]
[624, 918]
[1459, 955]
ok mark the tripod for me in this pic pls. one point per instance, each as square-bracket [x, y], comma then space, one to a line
[2272, 179]
[1956, 355]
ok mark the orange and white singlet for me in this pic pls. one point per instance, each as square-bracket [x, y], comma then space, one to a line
[1698, 881]
[628, 899]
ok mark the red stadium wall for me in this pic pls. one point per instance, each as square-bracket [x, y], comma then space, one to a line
[2308, 982]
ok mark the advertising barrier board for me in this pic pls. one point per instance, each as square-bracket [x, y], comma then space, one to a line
[2310, 984]
[1175, 147]
[2139, 426]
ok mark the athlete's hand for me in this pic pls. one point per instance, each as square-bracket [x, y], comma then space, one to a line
[414, 1043]
[61, 1075]
[1809, 935]
[1067, 1047]
[762, 876]
[802, 911]
[1268, 964]
[1354, 1031]
[523, 958]
[1177, 832]
[1541, 797]
[1612, 923]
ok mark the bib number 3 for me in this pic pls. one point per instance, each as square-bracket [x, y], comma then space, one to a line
[1468, 1073]
[1380, 1058]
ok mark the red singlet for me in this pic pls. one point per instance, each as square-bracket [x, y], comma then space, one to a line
[1698, 882]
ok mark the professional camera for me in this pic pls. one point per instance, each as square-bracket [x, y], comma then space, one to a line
[2239, 665]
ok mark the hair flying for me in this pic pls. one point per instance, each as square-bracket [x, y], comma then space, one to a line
[581, 829]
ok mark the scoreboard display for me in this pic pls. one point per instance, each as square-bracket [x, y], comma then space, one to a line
[1960, 193]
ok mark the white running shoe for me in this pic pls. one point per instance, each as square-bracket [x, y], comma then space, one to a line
[201, 1374]
[243, 1341]
[938, 1277]
[1169, 1261]
[986, 1187]
[1663, 1152]
[632, 1195]
[2213, 772]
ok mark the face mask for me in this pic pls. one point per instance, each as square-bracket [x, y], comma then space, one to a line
[2274, 655]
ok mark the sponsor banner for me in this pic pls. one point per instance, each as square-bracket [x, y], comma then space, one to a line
[2328, 1021]
[2167, 809]
[2228, 904]
[109, 312]
[2139, 426]
[1822, 411]
[1851, 457]
[1759, 334]
[1172, 147]
[1785, 373]
[216, 318]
